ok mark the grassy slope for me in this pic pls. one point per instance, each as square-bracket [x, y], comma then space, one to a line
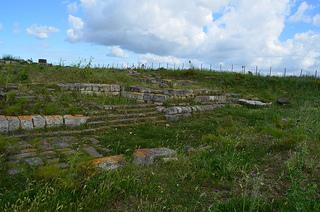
[261, 159]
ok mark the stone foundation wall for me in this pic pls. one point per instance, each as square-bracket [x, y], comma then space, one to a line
[176, 113]
[211, 99]
[14, 123]
[93, 89]
[160, 96]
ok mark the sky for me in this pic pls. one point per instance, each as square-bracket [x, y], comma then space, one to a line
[265, 33]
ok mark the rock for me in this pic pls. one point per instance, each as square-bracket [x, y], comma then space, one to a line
[63, 165]
[160, 109]
[13, 171]
[61, 145]
[13, 123]
[216, 99]
[48, 154]
[92, 152]
[159, 98]
[189, 150]
[34, 161]
[39, 122]
[75, 120]
[54, 121]
[172, 118]
[253, 103]
[283, 101]
[3, 124]
[148, 156]
[109, 163]
[24, 155]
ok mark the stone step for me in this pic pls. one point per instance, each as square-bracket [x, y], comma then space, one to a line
[123, 111]
[89, 130]
[126, 120]
[122, 116]
[133, 106]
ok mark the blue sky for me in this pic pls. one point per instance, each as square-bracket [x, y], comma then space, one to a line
[266, 32]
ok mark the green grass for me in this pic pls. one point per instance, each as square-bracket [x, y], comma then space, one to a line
[256, 160]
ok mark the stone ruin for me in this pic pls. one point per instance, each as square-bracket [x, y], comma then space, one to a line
[93, 89]
[15, 123]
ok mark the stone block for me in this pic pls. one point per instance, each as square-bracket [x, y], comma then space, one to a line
[148, 156]
[109, 163]
[75, 120]
[253, 103]
[39, 122]
[133, 95]
[54, 121]
[26, 122]
[34, 161]
[215, 99]
[95, 88]
[3, 124]
[171, 111]
[159, 98]
[13, 123]
[91, 151]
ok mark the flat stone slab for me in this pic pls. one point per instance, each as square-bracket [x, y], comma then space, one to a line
[13, 123]
[109, 163]
[39, 122]
[92, 152]
[24, 155]
[34, 161]
[54, 121]
[26, 122]
[148, 156]
[216, 99]
[283, 101]
[3, 124]
[75, 120]
[253, 103]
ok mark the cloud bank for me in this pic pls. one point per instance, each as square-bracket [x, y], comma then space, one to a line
[222, 31]
[41, 32]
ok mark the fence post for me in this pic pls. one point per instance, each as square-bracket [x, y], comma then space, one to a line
[232, 67]
[256, 70]
[220, 67]
[270, 71]
[285, 72]
[201, 67]
[210, 67]
[301, 73]
[182, 66]
[167, 65]
[316, 74]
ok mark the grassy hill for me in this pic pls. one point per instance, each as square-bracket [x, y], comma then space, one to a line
[242, 159]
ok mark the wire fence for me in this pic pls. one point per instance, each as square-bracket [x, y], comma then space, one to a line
[235, 68]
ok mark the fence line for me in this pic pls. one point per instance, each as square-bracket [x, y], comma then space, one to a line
[236, 68]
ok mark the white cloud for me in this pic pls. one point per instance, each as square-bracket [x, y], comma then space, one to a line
[300, 15]
[72, 7]
[316, 20]
[243, 31]
[41, 32]
[116, 51]
[75, 32]
[152, 58]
